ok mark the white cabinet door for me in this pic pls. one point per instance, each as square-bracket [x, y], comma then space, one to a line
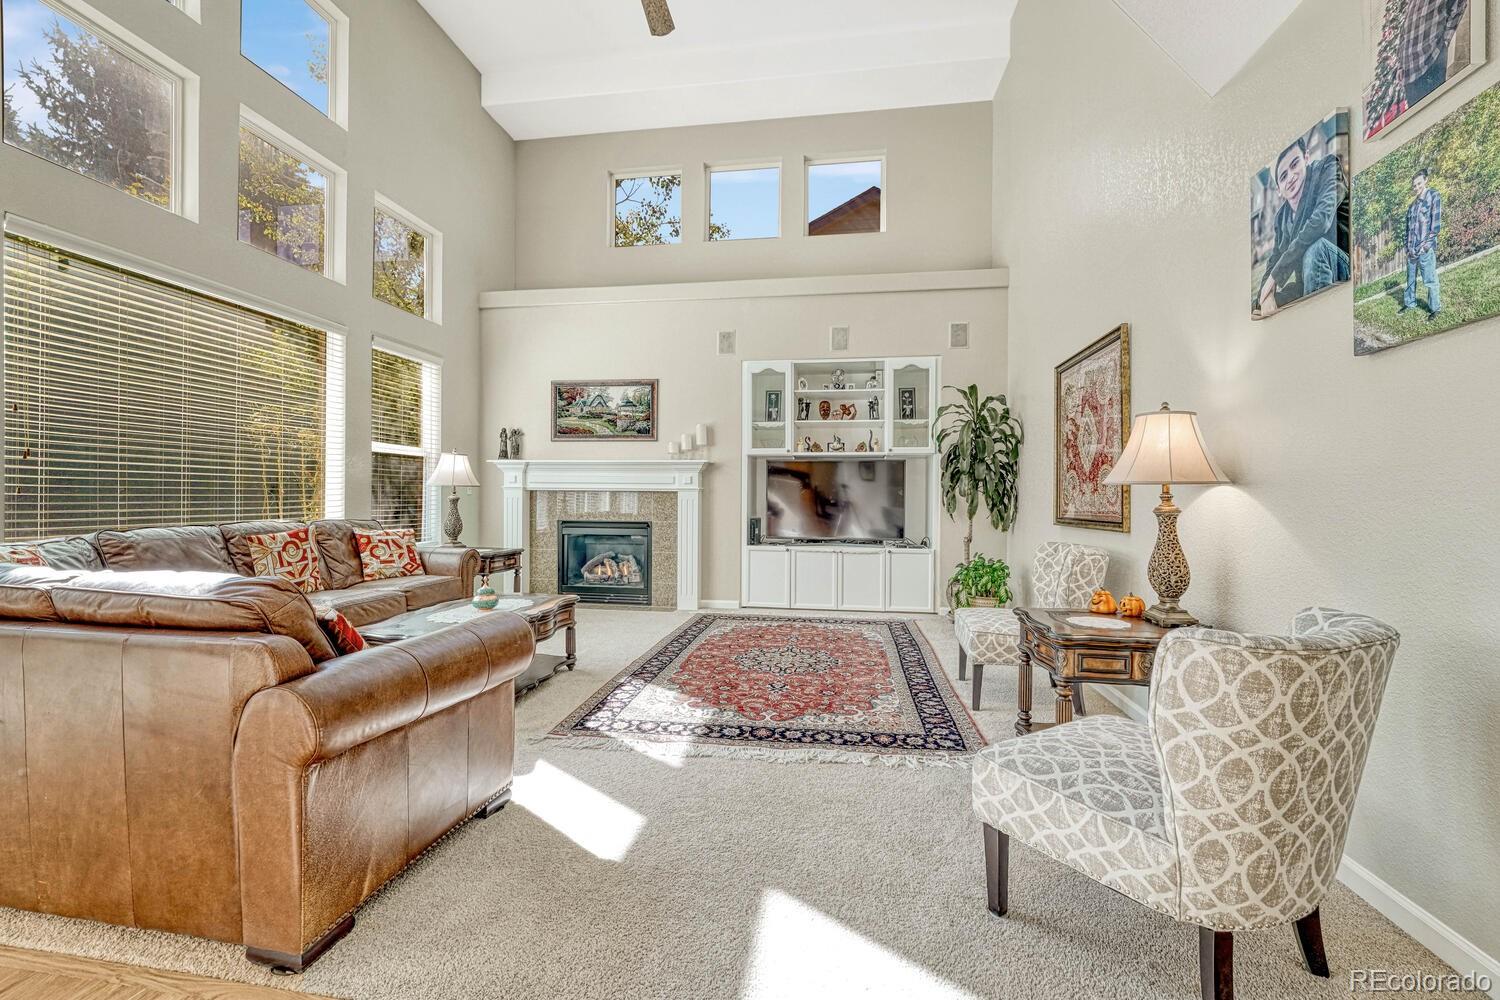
[909, 580]
[862, 580]
[768, 579]
[815, 578]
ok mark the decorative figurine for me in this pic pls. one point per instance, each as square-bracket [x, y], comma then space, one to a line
[504, 444]
[802, 384]
[515, 443]
[815, 447]
[874, 442]
[825, 409]
[874, 406]
[804, 408]
[838, 379]
[848, 411]
[861, 447]
[485, 598]
[837, 444]
[873, 382]
[807, 442]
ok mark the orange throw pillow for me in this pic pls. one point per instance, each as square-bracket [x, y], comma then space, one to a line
[290, 555]
[388, 553]
[21, 554]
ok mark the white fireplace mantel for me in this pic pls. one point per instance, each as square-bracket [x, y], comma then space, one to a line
[646, 475]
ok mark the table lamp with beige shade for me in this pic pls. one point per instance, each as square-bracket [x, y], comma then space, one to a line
[1166, 447]
[453, 471]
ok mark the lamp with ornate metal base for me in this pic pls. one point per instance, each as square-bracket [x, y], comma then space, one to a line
[452, 471]
[1167, 447]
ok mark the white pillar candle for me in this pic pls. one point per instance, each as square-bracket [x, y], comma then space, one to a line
[700, 435]
[687, 443]
[671, 447]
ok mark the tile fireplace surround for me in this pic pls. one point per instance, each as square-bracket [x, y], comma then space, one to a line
[601, 489]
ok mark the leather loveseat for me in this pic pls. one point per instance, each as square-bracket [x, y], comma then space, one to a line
[183, 750]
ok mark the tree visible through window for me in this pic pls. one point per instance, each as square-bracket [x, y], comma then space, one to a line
[283, 203]
[648, 210]
[405, 403]
[401, 255]
[74, 98]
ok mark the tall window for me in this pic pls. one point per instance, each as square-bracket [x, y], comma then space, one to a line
[845, 196]
[407, 259]
[648, 209]
[285, 201]
[299, 43]
[744, 203]
[131, 402]
[405, 414]
[91, 103]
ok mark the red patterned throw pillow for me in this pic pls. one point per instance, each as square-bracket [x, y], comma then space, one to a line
[344, 638]
[22, 554]
[388, 553]
[290, 555]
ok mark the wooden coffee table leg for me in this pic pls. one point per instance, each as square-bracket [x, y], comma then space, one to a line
[1064, 701]
[518, 578]
[1023, 693]
[570, 646]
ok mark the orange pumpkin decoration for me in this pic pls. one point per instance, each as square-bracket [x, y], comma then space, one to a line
[1132, 606]
[1102, 603]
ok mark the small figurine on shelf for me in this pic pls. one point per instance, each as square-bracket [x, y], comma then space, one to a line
[815, 447]
[861, 447]
[873, 382]
[807, 442]
[838, 379]
[825, 409]
[504, 444]
[874, 442]
[802, 384]
[804, 408]
[837, 444]
[515, 442]
[874, 406]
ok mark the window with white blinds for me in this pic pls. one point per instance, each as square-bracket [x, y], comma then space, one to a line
[406, 404]
[131, 402]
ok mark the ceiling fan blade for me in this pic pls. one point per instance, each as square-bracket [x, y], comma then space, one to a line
[658, 17]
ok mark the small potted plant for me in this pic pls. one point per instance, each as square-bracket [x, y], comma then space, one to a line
[981, 583]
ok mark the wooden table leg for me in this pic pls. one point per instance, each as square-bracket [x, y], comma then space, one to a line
[1064, 700]
[570, 646]
[1023, 693]
[1078, 708]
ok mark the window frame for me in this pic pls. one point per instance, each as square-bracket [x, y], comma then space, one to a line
[808, 162]
[192, 8]
[709, 169]
[432, 264]
[615, 176]
[338, 61]
[335, 405]
[186, 88]
[335, 222]
[431, 412]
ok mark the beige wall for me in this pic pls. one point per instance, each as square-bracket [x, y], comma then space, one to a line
[416, 133]
[676, 342]
[937, 194]
[1362, 483]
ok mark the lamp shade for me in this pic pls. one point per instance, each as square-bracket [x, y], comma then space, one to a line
[452, 470]
[1166, 447]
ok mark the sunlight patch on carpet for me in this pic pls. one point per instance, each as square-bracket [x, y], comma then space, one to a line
[586, 816]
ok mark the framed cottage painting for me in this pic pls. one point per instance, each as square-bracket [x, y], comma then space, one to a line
[1093, 417]
[604, 410]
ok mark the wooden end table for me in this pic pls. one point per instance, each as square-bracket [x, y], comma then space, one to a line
[1077, 654]
[499, 561]
[545, 613]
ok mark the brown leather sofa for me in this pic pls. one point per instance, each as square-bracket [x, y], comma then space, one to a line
[184, 751]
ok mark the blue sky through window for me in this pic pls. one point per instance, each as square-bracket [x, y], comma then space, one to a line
[829, 185]
[746, 202]
[286, 38]
[26, 22]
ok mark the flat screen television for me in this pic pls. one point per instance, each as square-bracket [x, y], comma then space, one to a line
[836, 500]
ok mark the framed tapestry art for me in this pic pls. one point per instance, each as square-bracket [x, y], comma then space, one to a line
[1093, 416]
[604, 410]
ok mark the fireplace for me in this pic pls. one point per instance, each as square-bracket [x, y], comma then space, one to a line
[605, 562]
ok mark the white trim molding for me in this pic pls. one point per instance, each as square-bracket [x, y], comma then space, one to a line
[680, 476]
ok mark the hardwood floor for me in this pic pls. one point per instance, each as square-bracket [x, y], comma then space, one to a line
[38, 975]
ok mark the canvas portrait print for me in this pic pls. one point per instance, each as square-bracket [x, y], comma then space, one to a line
[1299, 218]
[1426, 225]
[1415, 50]
[1093, 416]
[605, 410]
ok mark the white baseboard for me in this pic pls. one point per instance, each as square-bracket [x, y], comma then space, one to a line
[720, 605]
[1442, 940]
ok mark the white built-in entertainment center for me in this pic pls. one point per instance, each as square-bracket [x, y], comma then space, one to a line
[840, 484]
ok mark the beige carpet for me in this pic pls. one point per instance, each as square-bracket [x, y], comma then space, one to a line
[617, 874]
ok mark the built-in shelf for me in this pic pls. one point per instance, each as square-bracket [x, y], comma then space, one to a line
[878, 390]
[830, 422]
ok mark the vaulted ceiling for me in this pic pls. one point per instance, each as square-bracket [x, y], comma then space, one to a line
[573, 67]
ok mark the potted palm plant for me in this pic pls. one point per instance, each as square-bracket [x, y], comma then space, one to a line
[979, 441]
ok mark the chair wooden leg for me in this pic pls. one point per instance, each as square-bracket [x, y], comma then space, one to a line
[1216, 963]
[1310, 937]
[1078, 699]
[997, 869]
[978, 682]
[963, 661]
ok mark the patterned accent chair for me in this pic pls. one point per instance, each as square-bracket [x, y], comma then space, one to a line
[1064, 576]
[1228, 808]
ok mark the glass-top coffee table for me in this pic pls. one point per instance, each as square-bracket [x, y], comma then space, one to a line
[545, 613]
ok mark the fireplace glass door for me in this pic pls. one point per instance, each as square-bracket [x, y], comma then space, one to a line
[606, 562]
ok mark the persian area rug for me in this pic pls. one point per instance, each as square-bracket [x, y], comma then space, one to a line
[788, 689]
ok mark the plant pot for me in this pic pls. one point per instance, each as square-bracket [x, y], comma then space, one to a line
[983, 602]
